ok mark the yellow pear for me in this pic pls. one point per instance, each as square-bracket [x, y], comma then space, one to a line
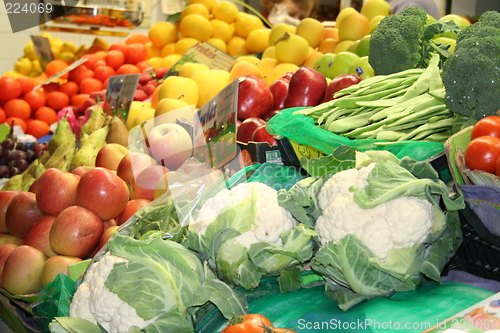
[146, 114]
[279, 30]
[278, 71]
[343, 13]
[210, 83]
[189, 68]
[243, 68]
[266, 65]
[372, 8]
[168, 110]
[292, 49]
[178, 87]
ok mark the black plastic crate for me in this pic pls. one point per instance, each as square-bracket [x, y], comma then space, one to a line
[480, 249]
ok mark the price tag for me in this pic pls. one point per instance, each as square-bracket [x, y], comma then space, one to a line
[203, 53]
[43, 50]
[214, 128]
[120, 93]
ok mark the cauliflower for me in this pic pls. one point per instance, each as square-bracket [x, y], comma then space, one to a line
[94, 302]
[270, 220]
[397, 223]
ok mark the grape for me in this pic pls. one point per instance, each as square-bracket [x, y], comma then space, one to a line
[18, 155]
[8, 144]
[30, 155]
[22, 165]
[23, 146]
[7, 154]
[33, 145]
[4, 171]
[13, 171]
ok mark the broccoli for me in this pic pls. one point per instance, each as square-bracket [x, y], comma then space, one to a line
[404, 41]
[471, 75]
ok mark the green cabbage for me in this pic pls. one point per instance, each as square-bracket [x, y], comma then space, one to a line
[352, 272]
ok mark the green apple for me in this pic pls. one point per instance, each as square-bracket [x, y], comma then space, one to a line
[446, 40]
[362, 68]
[363, 48]
[430, 19]
[353, 47]
[324, 62]
[341, 64]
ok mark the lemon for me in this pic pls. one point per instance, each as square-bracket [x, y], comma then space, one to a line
[246, 23]
[218, 43]
[155, 62]
[342, 13]
[162, 33]
[269, 52]
[225, 10]
[196, 26]
[292, 49]
[257, 40]
[184, 44]
[167, 49]
[353, 26]
[312, 30]
[195, 8]
[23, 66]
[221, 29]
[278, 71]
[29, 51]
[236, 46]
[170, 60]
[207, 3]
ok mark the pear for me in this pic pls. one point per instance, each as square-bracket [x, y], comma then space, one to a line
[96, 120]
[63, 134]
[87, 152]
[118, 132]
[62, 157]
[14, 183]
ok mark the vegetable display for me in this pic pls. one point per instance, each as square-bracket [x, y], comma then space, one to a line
[383, 223]
[405, 41]
[471, 81]
[483, 151]
[152, 285]
[408, 105]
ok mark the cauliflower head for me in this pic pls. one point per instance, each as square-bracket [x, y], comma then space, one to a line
[94, 302]
[270, 221]
[397, 223]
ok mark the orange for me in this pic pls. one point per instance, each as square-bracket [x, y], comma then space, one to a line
[26, 84]
[137, 39]
[328, 45]
[142, 65]
[70, 88]
[37, 128]
[78, 99]
[128, 69]
[135, 53]
[46, 114]
[115, 58]
[36, 99]
[74, 72]
[16, 122]
[47, 88]
[9, 88]
[99, 63]
[103, 72]
[2, 116]
[101, 54]
[18, 108]
[57, 100]
[330, 32]
[56, 66]
[84, 75]
[91, 60]
[90, 85]
[119, 46]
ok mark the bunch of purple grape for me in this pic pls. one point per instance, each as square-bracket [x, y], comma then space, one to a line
[16, 156]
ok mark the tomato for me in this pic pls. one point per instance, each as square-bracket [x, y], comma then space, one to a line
[487, 126]
[482, 153]
[249, 323]
[282, 330]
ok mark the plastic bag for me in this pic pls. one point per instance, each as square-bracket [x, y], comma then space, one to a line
[279, 14]
[485, 202]
[302, 130]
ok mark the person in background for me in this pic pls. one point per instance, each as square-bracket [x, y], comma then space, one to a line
[297, 9]
[428, 5]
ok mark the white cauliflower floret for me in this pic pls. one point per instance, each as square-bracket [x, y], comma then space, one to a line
[270, 221]
[339, 184]
[398, 223]
[94, 302]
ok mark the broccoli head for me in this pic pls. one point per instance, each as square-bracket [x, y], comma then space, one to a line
[471, 75]
[404, 41]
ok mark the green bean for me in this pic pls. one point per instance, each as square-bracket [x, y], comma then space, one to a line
[349, 102]
[348, 123]
[388, 135]
[432, 127]
[439, 136]
[401, 106]
[425, 113]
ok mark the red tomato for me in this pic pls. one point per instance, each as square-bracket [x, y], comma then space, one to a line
[282, 330]
[482, 153]
[249, 323]
[486, 126]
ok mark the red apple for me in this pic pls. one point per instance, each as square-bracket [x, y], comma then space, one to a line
[340, 82]
[106, 235]
[56, 265]
[254, 97]
[143, 186]
[5, 251]
[109, 223]
[22, 272]
[170, 144]
[32, 188]
[307, 88]
[110, 155]
[80, 170]
[56, 190]
[132, 207]
[279, 89]
[5, 198]
[103, 192]
[38, 235]
[262, 135]
[160, 72]
[21, 213]
[245, 130]
[75, 239]
[132, 164]
[9, 239]
[268, 115]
